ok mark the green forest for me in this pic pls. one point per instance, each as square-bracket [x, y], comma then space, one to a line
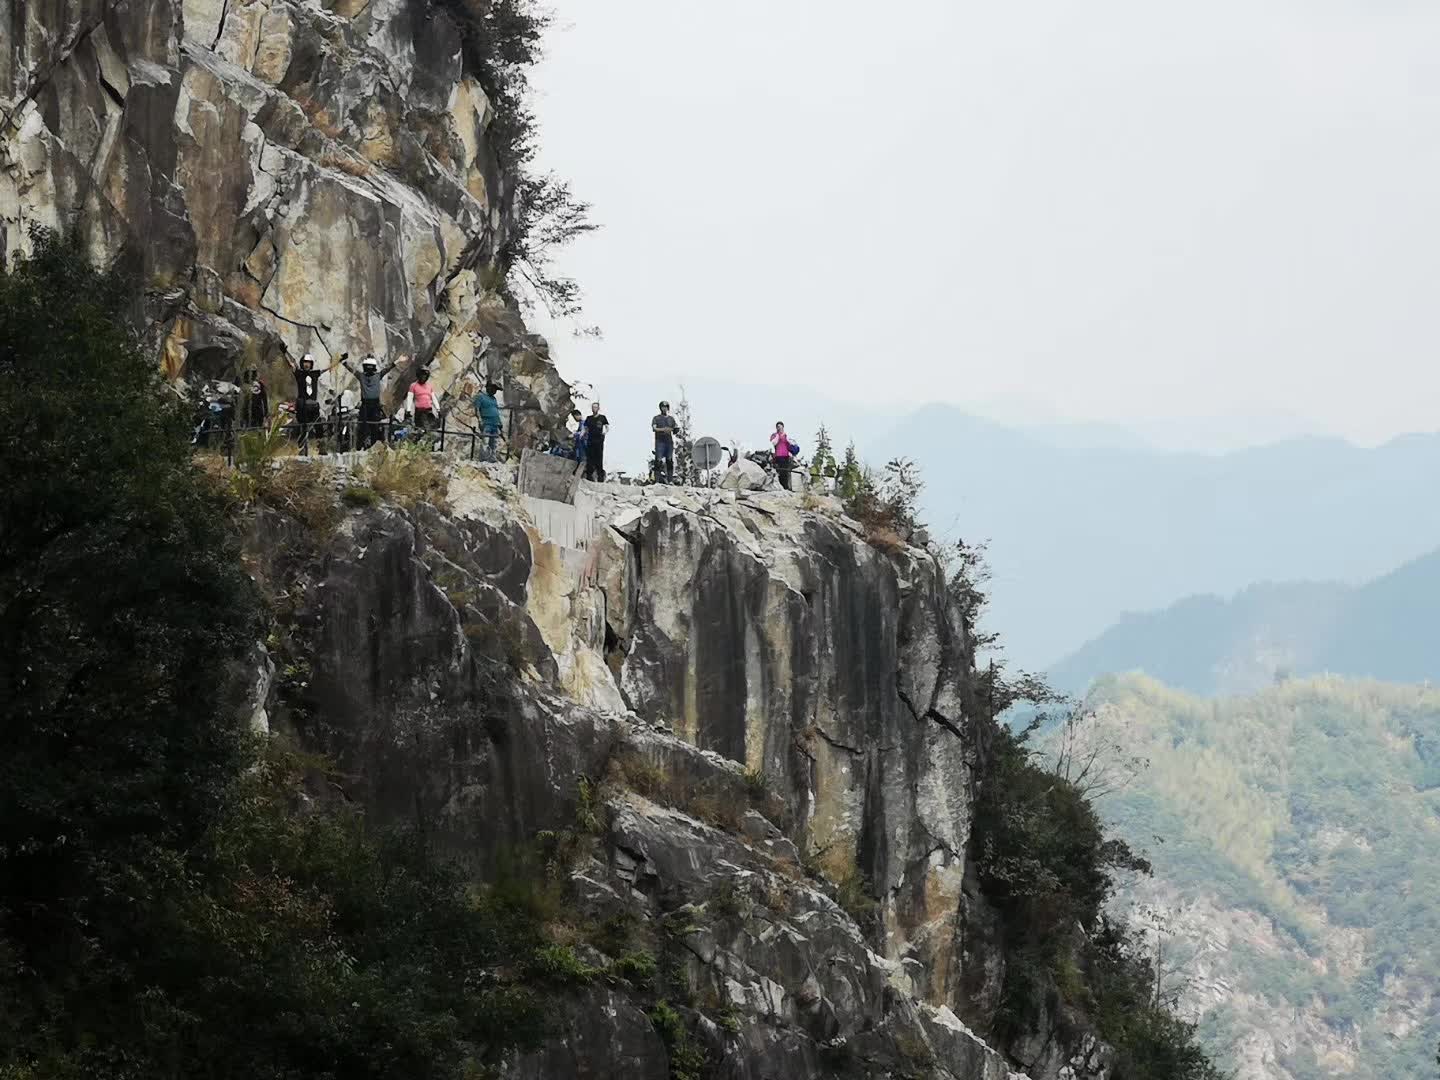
[1314, 805]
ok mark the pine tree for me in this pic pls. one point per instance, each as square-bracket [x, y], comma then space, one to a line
[851, 473]
[684, 457]
[822, 461]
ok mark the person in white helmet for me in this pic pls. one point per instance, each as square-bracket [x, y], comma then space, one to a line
[307, 392]
[372, 414]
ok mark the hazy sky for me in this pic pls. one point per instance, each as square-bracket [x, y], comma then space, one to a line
[1119, 211]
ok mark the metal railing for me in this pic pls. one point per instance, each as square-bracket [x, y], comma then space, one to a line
[349, 434]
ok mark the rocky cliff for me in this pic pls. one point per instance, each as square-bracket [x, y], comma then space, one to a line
[740, 732]
[735, 737]
[318, 175]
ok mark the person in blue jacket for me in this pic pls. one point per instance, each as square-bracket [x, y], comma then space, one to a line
[487, 408]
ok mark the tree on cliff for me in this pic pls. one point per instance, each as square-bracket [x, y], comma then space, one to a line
[822, 459]
[851, 473]
[121, 594]
[163, 911]
[502, 42]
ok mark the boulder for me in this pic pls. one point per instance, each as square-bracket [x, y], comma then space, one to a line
[745, 475]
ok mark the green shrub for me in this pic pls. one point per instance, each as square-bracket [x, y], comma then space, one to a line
[359, 495]
[687, 1060]
[559, 964]
[636, 968]
[1047, 865]
[756, 786]
[406, 474]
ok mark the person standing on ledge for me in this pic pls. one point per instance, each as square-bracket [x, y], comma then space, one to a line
[256, 412]
[307, 393]
[664, 427]
[487, 408]
[372, 380]
[596, 425]
[784, 454]
[422, 401]
[575, 428]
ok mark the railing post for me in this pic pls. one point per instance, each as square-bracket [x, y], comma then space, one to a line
[442, 434]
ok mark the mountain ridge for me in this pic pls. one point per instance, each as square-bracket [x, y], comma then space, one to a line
[1270, 631]
[1079, 537]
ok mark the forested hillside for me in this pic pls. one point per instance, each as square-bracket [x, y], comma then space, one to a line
[1295, 836]
[1209, 645]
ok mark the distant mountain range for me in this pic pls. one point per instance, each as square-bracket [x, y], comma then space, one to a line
[1081, 535]
[1382, 630]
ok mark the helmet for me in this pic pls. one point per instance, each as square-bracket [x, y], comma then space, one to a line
[422, 374]
[664, 404]
[307, 360]
[369, 362]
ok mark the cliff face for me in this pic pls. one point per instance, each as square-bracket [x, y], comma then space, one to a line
[743, 729]
[318, 175]
[731, 727]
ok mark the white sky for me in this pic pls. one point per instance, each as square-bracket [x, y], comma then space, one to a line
[1123, 210]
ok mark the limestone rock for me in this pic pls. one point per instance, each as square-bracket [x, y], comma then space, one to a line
[744, 476]
[785, 730]
[317, 176]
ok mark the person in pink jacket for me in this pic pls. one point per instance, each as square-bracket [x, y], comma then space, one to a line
[422, 396]
[784, 454]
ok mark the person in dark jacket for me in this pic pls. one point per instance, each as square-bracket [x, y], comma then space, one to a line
[596, 425]
[255, 412]
[664, 428]
[307, 393]
[487, 408]
[372, 383]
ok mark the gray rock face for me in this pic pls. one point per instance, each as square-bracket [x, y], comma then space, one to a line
[784, 830]
[780, 639]
[288, 172]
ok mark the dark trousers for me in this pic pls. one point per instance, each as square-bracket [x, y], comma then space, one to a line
[307, 415]
[426, 420]
[372, 419]
[783, 467]
[595, 460]
[665, 460]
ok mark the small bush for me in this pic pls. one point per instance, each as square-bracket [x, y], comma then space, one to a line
[883, 538]
[887, 503]
[406, 474]
[558, 964]
[756, 786]
[613, 935]
[728, 903]
[644, 777]
[636, 968]
[359, 495]
[853, 890]
[716, 811]
[687, 1060]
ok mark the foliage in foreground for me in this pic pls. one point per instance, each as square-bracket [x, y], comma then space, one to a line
[1049, 867]
[165, 910]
